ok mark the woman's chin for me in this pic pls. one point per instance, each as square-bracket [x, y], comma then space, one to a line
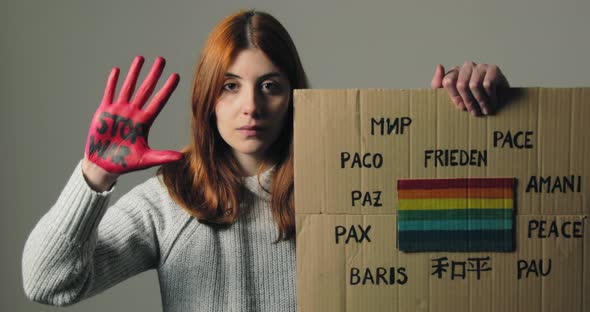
[250, 149]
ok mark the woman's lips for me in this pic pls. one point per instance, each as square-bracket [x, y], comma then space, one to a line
[250, 130]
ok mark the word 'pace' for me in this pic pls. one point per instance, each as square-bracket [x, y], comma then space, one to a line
[519, 139]
[367, 160]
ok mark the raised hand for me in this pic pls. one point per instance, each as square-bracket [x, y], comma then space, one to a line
[118, 136]
[472, 86]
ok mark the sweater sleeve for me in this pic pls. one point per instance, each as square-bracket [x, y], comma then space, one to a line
[81, 247]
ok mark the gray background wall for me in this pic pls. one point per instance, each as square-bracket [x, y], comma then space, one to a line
[55, 57]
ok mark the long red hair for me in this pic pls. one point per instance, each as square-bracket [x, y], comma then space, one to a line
[206, 183]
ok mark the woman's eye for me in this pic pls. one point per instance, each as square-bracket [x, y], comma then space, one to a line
[270, 86]
[231, 86]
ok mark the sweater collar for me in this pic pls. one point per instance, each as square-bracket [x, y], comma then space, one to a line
[260, 186]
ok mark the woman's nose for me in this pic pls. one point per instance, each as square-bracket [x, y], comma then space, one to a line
[251, 103]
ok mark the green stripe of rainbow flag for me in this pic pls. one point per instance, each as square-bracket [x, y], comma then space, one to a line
[470, 214]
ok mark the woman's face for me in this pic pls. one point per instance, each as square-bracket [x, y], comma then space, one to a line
[253, 104]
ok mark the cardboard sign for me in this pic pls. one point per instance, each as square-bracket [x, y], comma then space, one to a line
[351, 148]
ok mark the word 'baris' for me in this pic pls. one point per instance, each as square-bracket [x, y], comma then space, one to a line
[378, 276]
[352, 233]
[554, 184]
[455, 157]
[386, 126]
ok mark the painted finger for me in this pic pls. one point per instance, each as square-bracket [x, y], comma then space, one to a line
[160, 99]
[154, 158]
[129, 84]
[109, 91]
[148, 85]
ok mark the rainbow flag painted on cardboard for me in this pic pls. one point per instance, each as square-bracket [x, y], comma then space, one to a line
[472, 214]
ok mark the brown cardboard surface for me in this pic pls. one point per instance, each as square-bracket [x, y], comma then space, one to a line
[330, 270]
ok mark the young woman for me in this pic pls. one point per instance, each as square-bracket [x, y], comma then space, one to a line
[217, 222]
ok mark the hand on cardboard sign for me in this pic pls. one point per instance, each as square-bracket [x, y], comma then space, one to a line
[117, 138]
[471, 86]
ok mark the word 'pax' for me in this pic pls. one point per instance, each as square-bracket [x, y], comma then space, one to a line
[358, 236]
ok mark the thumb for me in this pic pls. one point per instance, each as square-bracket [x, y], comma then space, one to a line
[437, 79]
[154, 158]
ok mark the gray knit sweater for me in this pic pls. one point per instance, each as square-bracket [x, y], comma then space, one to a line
[80, 247]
